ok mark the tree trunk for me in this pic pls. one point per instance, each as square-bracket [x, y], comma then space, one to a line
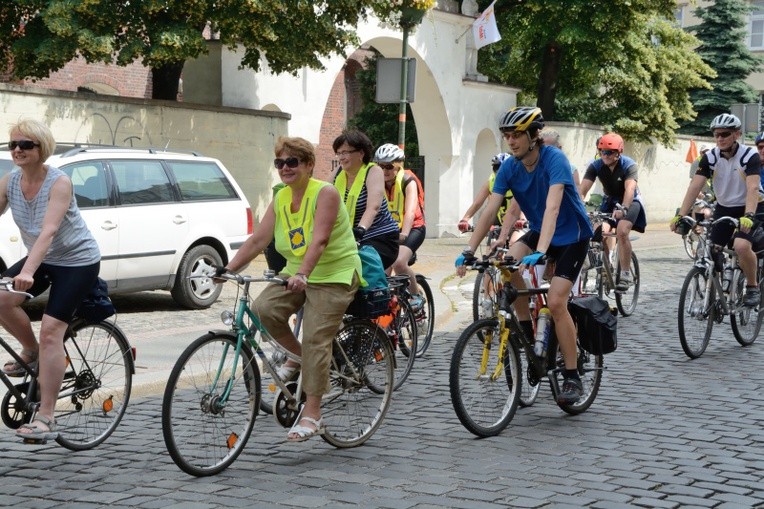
[165, 80]
[547, 85]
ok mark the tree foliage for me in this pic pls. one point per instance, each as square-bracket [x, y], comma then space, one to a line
[722, 33]
[619, 63]
[41, 36]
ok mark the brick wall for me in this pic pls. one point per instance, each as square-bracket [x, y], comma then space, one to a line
[130, 81]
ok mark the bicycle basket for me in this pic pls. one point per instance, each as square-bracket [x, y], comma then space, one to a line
[370, 303]
[596, 322]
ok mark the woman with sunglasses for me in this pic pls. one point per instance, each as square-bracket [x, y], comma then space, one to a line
[361, 184]
[62, 255]
[542, 184]
[618, 175]
[405, 205]
[323, 270]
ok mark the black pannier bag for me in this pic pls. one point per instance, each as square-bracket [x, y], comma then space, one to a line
[597, 324]
[97, 305]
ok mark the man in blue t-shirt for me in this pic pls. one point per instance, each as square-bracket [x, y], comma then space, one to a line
[541, 181]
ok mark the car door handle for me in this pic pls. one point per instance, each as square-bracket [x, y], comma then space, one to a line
[179, 220]
[108, 225]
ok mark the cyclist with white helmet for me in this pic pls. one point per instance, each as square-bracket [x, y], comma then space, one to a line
[482, 196]
[739, 197]
[618, 175]
[541, 181]
[405, 205]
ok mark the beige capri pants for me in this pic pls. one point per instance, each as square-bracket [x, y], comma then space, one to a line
[324, 305]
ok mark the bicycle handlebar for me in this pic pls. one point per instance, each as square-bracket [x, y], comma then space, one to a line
[268, 276]
[711, 222]
[6, 284]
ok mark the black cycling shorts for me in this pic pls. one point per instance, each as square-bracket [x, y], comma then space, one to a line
[568, 258]
[68, 286]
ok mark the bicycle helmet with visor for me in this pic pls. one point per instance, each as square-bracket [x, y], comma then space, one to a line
[521, 118]
[388, 153]
[610, 141]
[725, 121]
[759, 139]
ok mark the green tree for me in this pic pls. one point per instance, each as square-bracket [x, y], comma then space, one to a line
[619, 63]
[380, 121]
[722, 32]
[41, 36]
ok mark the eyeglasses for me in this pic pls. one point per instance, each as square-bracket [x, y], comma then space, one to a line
[22, 144]
[386, 166]
[343, 153]
[291, 162]
[722, 134]
[608, 152]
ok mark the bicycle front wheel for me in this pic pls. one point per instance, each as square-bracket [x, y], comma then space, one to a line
[745, 321]
[691, 244]
[528, 392]
[484, 396]
[209, 408]
[425, 318]
[485, 294]
[96, 386]
[697, 312]
[361, 376]
[627, 300]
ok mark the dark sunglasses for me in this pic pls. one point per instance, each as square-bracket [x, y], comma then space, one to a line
[291, 162]
[22, 144]
[608, 152]
[386, 166]
[723, 134]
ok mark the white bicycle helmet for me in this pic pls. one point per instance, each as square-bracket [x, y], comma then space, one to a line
[388, 153]
[725, 121]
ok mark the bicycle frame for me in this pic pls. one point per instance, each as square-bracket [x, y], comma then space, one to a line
[705, 261]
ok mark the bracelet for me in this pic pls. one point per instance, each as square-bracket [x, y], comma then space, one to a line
[302, 276]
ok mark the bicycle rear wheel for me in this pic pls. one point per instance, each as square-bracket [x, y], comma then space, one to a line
[696, 313]
[484, 403]
[205, 430]
[403, 335]
[485, 294]
[745, 321]
[590, 371]
[361, 375]
[425, 318]
[627, 301]
[96, 386]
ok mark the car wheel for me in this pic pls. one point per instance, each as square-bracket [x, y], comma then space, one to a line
[195, 292]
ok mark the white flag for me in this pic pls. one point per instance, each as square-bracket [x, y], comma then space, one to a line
[484, 28]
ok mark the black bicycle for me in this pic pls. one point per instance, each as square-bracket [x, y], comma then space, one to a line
[96, 387]
[486, 376]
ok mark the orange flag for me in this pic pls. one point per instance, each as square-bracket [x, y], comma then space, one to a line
[692, 153]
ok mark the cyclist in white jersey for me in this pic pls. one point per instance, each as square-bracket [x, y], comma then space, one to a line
[734, 169]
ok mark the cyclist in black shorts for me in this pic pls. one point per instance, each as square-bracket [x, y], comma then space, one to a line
[62, 255]
[402, 189]
[735, 197]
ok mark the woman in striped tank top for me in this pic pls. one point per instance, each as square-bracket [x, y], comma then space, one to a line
[361, 184]
[62, 255]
